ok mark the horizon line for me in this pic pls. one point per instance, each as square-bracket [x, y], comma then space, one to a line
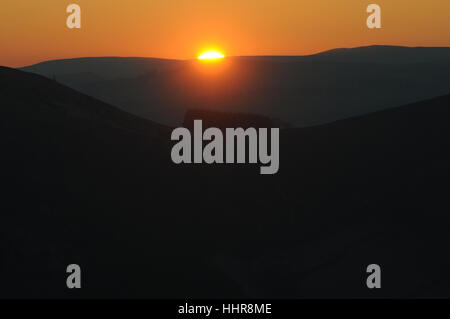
[232, 56]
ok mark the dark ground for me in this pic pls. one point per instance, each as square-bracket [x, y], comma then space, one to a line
[88, 184]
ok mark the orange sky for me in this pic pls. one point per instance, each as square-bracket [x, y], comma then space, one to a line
[34, 31]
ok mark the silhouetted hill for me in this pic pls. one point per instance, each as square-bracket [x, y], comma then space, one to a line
[20, 91]
[86, 183]
[105, 67]
[224, 120]
[380, 54]
[302, 91]
[388, 54]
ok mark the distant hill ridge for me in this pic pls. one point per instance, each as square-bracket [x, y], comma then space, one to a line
[367, 54]
[299, 90]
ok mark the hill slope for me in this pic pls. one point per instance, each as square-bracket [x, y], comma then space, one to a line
[85, 183]
[304, 90]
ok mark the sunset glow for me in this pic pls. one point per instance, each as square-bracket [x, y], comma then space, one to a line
[211, 55]
[162, 29]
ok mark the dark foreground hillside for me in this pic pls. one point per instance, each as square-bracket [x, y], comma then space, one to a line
[88, 184]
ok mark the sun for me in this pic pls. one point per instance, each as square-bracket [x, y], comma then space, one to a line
[211, 55]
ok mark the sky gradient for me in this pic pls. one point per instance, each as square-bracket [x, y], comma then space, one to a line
[35, 31]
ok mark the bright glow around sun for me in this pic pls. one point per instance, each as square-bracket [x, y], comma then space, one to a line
[211, 55]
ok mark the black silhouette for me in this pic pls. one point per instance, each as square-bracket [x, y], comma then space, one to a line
[84, 182]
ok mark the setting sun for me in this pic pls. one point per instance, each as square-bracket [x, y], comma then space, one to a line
[211, 55]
